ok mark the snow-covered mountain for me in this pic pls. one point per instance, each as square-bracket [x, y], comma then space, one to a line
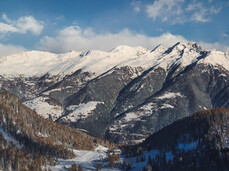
[38, 63]
[123, 95]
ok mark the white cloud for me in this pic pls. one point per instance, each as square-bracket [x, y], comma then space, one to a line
[137, 9]
[4, 17]
[200, 16]
[22, 25]
[216, 45]
[60, 18]
[10, 49]
[136, 6]
[201, 13]
[75, 38]
[5, 28]
[225, 35]
[163, 8]
[28, 23]
[179, 11]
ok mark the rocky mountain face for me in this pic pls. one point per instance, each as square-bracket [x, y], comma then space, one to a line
[179, 96]
[197, 142]
[123, 95]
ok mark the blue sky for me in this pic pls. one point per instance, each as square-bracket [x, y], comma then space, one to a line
[62, 25]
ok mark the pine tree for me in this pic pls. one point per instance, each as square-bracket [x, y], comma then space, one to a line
[80, 168]
[98, 167]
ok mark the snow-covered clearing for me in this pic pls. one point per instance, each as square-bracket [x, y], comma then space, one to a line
[88, 160]
[81, 111]
[43, 108]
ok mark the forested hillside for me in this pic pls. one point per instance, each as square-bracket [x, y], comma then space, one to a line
[29, 141]
[198, 142]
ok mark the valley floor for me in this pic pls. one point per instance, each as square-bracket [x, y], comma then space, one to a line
[88, 160]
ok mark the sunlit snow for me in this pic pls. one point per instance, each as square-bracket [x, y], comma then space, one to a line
[43, 108]
[88, 160]
[39, 63]
[169, 95]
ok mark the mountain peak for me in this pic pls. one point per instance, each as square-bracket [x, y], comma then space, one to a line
[190, 45]
[159, 48]
[126, 48]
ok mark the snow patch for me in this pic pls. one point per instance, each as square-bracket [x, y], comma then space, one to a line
[130, 116]
[53, 90]
[169, 95]
[42, 135]
[148, 107]
[43, 108]
[169, 156]
[164, 106]
[187, 146]
[146, 154]
[81, 111]
[140, 164]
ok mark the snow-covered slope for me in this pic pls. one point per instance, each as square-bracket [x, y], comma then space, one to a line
[217, 58]
[43, 108]
[81, 111]
[39, 63]
[88, 160]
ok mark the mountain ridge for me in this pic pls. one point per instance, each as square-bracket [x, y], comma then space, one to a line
[120, 92]
[25, 59]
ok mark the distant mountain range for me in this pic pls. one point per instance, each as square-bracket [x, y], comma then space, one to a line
[124, 95]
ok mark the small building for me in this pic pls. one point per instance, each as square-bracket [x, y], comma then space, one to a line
[115, 151]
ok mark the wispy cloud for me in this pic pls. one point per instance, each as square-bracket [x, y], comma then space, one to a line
[5, 28]
[60, 18]
[22, 25]
[162, 9]
[76, 38]
[225, 35]
[136, 6]
[8, 49]
[179, 11]
[73, 37]
[216, 45]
